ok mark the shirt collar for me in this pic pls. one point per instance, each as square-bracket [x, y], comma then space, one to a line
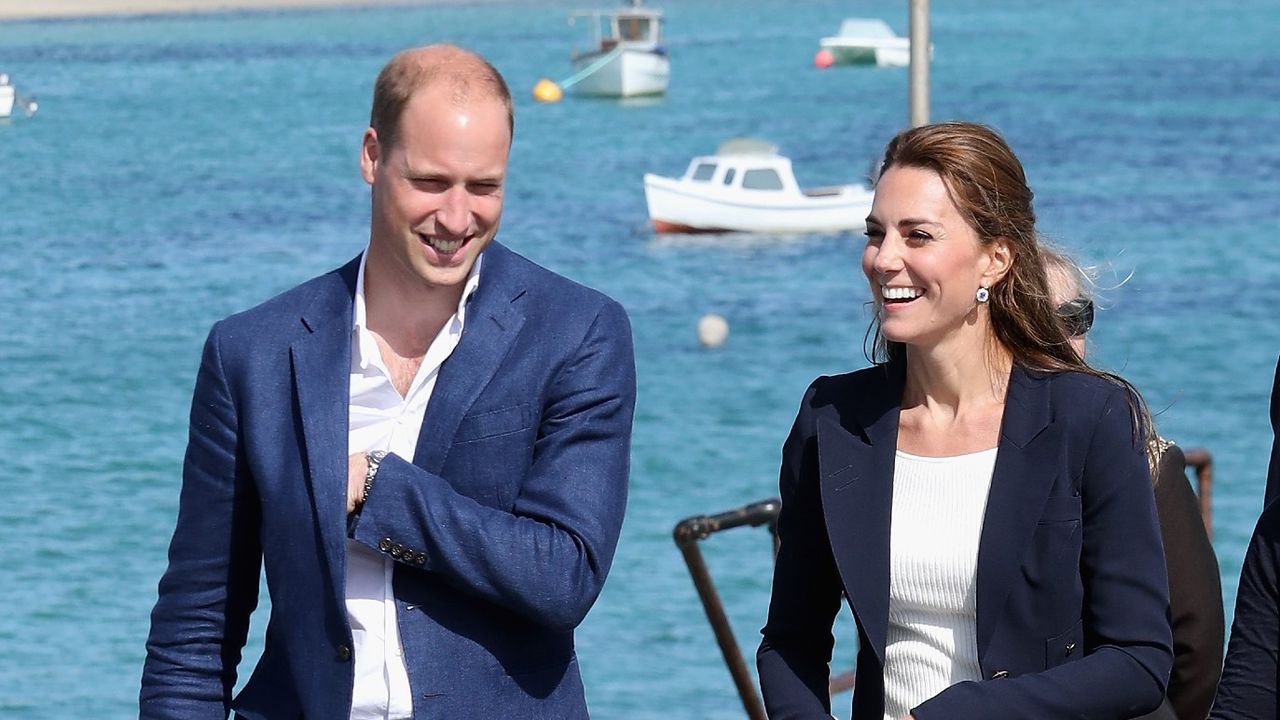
[365, 348]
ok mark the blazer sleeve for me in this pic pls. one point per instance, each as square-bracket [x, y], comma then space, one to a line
[201, 619]
[548, 557]
[795, 655]
[1195, 591]
[1249, 676]
[1128, 648]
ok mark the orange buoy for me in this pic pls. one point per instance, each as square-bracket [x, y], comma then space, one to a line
[824, 59]
[547, 91]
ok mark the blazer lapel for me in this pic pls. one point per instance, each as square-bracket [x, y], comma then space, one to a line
[1027, 464]
[492, 324]
[855, 460]
[321, 360]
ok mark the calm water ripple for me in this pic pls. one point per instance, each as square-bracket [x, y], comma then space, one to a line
[184, 168]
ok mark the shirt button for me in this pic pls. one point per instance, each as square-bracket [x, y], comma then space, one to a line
[344, 653]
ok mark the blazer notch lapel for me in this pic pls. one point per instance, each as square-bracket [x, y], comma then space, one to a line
[486, 342]
[1028, 462]
[856, 475]
[321, 364]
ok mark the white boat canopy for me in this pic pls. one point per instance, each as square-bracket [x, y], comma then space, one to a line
[746, 146]
[866, 28]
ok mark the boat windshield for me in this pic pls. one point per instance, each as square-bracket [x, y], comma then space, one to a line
[761, 179]
[633, 28]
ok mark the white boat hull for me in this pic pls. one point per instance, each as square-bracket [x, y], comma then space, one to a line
[7, 95]
[628, 74]
[681, 206]
[893, 52]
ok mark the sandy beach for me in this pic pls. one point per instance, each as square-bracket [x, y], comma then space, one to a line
[51, 9]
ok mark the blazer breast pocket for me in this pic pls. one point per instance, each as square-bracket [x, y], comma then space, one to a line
[1061, 509]
[494, 423]
[492, 450]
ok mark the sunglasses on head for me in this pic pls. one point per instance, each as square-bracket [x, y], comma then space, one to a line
[1077, 315]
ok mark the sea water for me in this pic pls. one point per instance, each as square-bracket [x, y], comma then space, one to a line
[183, 168]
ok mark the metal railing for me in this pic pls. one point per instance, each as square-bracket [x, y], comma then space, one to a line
[690, 531]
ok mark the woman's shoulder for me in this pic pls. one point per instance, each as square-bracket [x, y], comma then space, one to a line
[1083, 388]
[842, 387]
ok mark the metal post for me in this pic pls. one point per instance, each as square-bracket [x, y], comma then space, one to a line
[918, 89]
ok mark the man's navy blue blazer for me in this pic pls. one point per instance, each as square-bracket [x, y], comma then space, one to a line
[503, 525]
[1072, 595]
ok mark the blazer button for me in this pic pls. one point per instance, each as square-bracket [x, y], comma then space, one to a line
[384, 544]
[999, 674]
[397, 551]
[344, 653]
[1071, 647]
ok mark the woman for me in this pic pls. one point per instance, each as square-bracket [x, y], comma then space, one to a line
[1195, 586]
[981, 495]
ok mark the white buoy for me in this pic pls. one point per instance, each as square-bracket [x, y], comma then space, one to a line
[713, 330]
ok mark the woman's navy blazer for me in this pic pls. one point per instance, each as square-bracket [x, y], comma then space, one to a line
[1072, 595]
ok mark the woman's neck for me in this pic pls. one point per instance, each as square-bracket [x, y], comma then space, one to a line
[957, 375]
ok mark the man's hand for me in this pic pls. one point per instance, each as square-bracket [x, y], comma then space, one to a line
[357, 467]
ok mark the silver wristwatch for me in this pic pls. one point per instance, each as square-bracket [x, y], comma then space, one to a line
[375, 461]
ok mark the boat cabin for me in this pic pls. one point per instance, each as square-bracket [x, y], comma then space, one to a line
[632, 26]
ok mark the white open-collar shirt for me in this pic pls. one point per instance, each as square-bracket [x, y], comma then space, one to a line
[380, 419]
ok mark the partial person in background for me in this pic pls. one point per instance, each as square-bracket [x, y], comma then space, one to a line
[427, 449]
[1250, 675]
[1195, 586]
[981, 496]
[1273, 470]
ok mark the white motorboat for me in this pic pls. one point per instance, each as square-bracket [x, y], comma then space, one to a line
[9, 97]
[626, 57]
[868, 41]
[748, 187]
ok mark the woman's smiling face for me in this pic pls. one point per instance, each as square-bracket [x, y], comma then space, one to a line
[923, 260]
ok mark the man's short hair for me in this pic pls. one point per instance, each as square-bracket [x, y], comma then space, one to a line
[409, 71]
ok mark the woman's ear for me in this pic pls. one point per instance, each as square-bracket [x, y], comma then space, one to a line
[999, 261]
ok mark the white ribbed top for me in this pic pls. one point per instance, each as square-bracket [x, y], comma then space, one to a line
[938, 506]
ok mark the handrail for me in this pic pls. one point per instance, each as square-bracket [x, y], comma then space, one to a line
[1201, 461]
[687, 533]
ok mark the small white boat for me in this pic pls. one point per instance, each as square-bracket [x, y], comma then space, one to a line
[868, 41]
[626, 57]
[748, 187]
[9, 97]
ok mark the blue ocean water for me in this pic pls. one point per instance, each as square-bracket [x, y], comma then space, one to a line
[182, 168]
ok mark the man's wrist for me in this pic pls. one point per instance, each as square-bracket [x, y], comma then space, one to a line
[374, 459]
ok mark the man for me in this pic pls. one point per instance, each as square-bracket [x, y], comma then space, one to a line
[424, 559]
